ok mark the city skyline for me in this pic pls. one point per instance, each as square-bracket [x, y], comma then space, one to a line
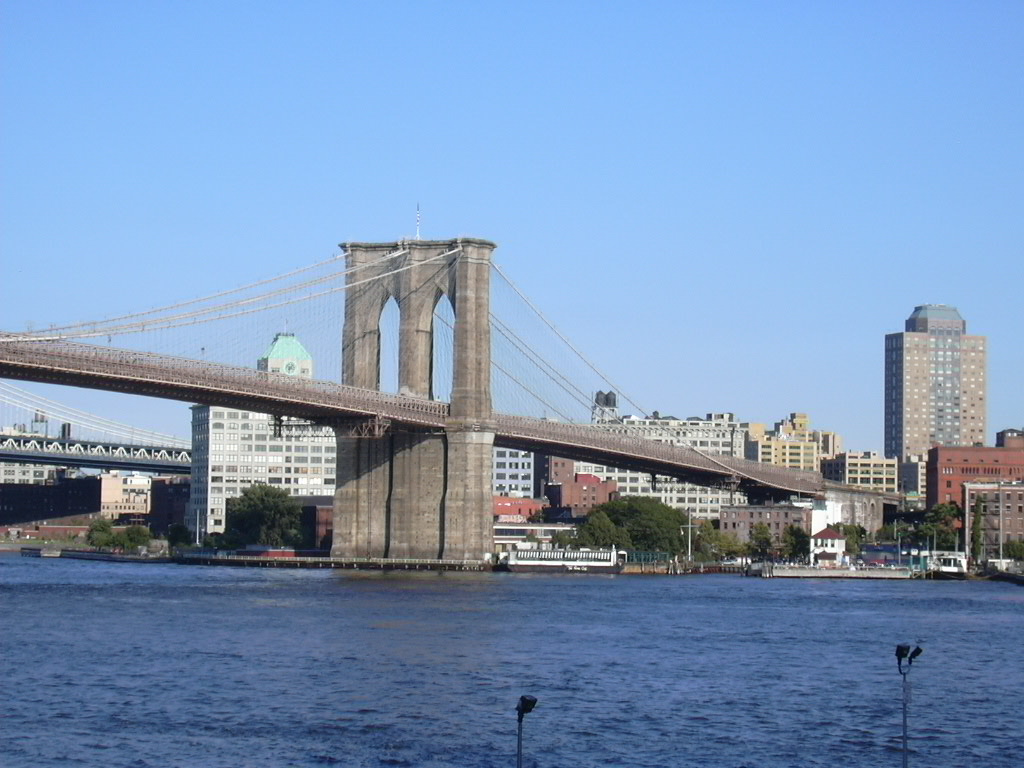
[722, 232]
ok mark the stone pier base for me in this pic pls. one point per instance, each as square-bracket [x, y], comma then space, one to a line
[414, 495]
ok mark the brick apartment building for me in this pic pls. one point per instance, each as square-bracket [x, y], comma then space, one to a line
[1001, 507]
[740, 520]
[24, 503]
[950, 467]
[578, 492]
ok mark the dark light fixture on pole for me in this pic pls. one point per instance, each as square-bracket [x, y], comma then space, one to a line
[904, 652]
[523, 708]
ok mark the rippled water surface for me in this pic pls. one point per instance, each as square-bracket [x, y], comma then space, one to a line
[108, 664]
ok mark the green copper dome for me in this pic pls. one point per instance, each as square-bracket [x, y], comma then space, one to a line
[285, 345]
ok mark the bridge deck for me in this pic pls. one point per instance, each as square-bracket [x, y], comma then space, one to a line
[147, 373]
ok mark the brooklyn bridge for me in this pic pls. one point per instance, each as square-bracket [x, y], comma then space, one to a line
[413, 468]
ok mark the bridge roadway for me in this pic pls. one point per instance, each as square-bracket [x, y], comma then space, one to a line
[366, 411]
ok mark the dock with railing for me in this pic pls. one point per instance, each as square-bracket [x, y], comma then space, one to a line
[350, 563]
[780, 571]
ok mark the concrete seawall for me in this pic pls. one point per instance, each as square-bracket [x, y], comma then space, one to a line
[800, 572]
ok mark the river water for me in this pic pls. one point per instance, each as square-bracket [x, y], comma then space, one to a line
[110, 664]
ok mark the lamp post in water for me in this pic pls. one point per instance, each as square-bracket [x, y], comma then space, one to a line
[523, 708]
[904, 652]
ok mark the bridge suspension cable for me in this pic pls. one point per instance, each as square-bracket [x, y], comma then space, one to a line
[20, 398]
[565, 340]
[564, 382]
[108, 327]
[511, 376]
[549, 370]
[190, 302]
[223, 312]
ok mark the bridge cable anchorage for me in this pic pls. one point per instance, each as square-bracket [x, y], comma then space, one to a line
[211, 297]
[21, 398]
[565, 340]
[195, 318]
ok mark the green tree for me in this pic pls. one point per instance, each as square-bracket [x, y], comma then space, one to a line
[730, 546]
[565, 540]
[855, 536]
[1014, 550]
[941, 525]
[136, 536]
[600, 531]
[179, 535]
[761, 541]
[651, 525]
[707, 541]
[796, 543]
[101, 533]
[892, 531]
[977, 523]
[263, 515]
[711, 543]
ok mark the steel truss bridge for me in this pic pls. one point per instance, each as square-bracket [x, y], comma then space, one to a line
[65, 452]
[369, 412]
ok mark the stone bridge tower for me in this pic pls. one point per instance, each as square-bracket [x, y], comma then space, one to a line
[408, 493]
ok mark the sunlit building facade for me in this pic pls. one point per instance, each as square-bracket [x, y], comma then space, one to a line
[935, 383]
[718, 434]
[791, 443]
[234, 449]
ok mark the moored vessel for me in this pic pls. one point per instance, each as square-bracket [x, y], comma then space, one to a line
[949, 566]
[563, 561]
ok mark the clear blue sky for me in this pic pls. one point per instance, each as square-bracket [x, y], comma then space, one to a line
[728, 204]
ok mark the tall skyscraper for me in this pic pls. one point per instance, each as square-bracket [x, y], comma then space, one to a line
[934, 383]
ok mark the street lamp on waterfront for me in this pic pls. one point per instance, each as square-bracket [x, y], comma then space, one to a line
[903, 652]
[689, 535]
[523, 708]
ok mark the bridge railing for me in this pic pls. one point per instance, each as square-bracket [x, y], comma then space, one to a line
[64, 446]
[156, 369]
[187, 379]
[587, 436]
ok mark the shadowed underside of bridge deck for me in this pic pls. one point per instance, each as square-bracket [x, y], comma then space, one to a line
[143, 373]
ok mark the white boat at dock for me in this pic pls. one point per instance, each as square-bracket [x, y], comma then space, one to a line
[949, 565]
[563, 561]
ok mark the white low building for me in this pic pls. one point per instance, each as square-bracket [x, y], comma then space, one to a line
[828, 547]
